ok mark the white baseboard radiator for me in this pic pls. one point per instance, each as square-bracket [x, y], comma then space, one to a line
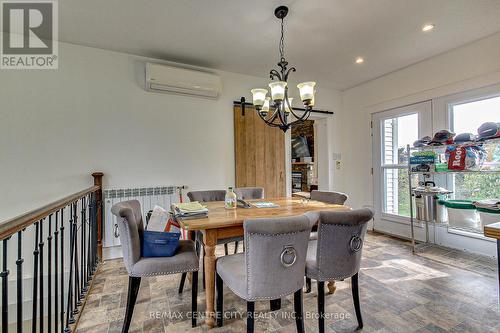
[148, 197]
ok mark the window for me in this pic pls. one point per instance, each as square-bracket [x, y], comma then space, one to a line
[397, 133]
[466, 118]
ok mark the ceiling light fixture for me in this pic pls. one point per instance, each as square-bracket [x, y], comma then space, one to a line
[281, 112]
[428, 27]
[360, 60]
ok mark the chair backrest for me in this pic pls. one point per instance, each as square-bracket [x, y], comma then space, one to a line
[130, 226]
[249, 192]
[331, 197]
[340, 242]
[207, 196]
[275, 254]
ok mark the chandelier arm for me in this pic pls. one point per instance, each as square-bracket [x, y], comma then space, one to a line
[291, 108]
[270, 120]
[274, 115]
[275, 74]
[300, 120]
[269, 123]
[304, 116]
[295, 115]
[292, 69]
[280, 110]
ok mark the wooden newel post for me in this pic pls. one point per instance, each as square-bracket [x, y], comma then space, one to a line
[98, 182]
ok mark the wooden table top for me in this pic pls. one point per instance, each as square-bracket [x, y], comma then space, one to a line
[492, 230]
[219, 217]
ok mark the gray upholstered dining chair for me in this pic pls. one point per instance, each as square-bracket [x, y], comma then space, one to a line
[208, 196]
[331, 197]
[130, 226]
[336, 254]
[247, 193]
[271, 267]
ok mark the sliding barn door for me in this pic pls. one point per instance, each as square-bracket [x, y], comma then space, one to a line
[259, 153]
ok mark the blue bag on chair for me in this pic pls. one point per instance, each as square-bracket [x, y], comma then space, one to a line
[159, 244]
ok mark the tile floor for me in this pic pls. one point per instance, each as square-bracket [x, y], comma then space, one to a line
[440, 290]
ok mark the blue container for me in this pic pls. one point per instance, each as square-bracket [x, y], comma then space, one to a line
[159, 244]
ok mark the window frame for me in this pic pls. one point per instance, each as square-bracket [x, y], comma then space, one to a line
[448, 102]
[424, 111]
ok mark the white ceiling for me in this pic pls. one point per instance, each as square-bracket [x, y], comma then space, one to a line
[322, 38]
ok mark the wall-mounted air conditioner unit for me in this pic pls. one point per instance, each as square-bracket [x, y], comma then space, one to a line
[161, 78]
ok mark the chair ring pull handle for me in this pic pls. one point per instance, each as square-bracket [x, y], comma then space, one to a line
[288, 256]
[356, 243]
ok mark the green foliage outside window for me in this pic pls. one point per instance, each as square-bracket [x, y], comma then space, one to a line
[477, 186]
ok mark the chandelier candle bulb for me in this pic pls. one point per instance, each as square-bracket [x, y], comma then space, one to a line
[259, 96]
[265, 107]
[306, 90]
[278, 90]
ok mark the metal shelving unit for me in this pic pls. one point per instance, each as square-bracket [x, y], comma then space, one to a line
[490, 168]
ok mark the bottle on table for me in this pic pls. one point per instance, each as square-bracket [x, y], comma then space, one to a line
[230, 199]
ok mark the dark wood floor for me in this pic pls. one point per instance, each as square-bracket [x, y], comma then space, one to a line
[440, 290]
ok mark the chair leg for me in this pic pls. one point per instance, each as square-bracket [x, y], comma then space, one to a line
[250, 316]
[219, 285]
[355, 297]
[194, 299]
[226, 251]
[299, 311]
[321, 306]
[308, 285]
[133, 289]
[181, 285]
[236, 247]
[275, 304]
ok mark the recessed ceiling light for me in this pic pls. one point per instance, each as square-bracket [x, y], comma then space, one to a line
[360, 60]
[428, 27]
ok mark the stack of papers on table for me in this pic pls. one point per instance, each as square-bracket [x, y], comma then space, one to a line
[263, 204]
[488, 204]
[189, 210]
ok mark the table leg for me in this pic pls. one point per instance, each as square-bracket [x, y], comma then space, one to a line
[331, 287]
[498, 268]
[210, 240]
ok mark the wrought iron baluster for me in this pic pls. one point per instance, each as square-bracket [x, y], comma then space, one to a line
[49, 276]
[61, 230]
[89, 222]
[19, 264]
[56, 275]
[40, 246]
[77, 278]
[83, 289]
[5, 288]
[35, 279]
[69, 309]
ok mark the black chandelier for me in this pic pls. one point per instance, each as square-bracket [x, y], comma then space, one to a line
[280, 112]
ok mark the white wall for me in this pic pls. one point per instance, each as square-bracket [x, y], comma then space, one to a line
[468, 67]
[92, 114]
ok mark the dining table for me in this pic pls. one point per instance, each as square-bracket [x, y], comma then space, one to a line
[223, 223]
[493, 231]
